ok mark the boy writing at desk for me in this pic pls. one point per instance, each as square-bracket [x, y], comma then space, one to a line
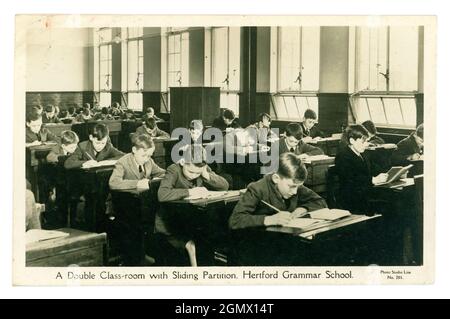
[410, 148]
[272, 201]
[136, 169]
[69, 143]
[90, 153]
[191, 176]
[36, 133]
[149, 127]
[310, 131]
[293, 143]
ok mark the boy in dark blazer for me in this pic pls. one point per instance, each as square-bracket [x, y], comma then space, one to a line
[98, 148]
[293, 143]
[225, 120]
[49, 115]
[409, 149]
[355, 170]
[35, 132]
[69, 143]
[373, 139]
[149, 127]
[136, 169]
[310, 131]
[283, 190]
[190, 177]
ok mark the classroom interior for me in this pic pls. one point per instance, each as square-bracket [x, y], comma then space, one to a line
[345, 74]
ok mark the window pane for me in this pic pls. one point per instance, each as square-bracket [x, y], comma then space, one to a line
[302, 102]
[289, 58]
[184, 61]
[104, 67]
[404, 58]
[132, 65]
[141, 65]
[141, 48]
[103, 52]
[313, 104]
[135, 101]
[234, 58]
[219, 57]
[177, 43]
[105, 35]
[105, 99]
[409, 111]
[280, 107]
[290, 106]
[393, 112]
[362, 111]
[376, 110]
[141, 81]
[310, 55]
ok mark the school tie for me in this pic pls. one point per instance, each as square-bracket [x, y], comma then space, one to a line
[292, 150]
[142, 171]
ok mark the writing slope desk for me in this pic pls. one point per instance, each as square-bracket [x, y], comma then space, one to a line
[344, 242]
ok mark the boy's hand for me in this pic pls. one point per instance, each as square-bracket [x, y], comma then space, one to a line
[205, 173]
[304, 156]
[35, 143]
[143, 184]
[307, 139]
[299, 212]
[89, 164]
[414, 157]
[278, 219]
[198, 192]
[381, 178]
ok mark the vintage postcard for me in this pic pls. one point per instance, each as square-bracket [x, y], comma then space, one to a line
[224, 150]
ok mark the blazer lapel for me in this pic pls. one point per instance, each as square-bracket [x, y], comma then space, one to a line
[133, 166]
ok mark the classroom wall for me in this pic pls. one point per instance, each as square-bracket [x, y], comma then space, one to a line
[196, 57]
[334, 59]
[58, 60]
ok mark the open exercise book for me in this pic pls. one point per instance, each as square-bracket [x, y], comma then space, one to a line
[317, 216]
[313, 158]
[217, 194]
[37, 235]
[395, 173]
[104, 163]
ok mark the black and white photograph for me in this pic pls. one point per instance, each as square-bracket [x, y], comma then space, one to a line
[224, 150]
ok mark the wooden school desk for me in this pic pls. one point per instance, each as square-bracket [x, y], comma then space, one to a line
[206, 220]
[79, 248]
[57, 129]
[329, 145]
[114, 127]
[93, 185]
[133, 226]
[34, 156]
[317, 168]
[347, 241]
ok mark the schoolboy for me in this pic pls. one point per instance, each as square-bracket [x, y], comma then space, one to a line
[292, 142]
[136, 169]
[35, 132]
[310, 131]
[49, 115]
[97, 148]
[151, 128]
[410, 148]
[68, 145]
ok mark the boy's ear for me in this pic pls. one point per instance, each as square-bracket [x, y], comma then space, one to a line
[91, 137]
[351, 140]
[182, 161]
[133, 149]
[276, 178]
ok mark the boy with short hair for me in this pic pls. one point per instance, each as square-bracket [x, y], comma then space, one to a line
[283, 190]
[293, 143]
[151, 128]
[150, 113]
[69, 143]
[225, 120]
[49, 115]
[310, 131]
[97, 148]
[410, 148]
[191, 176]
[36, 133]
[136, 169]
[262, 127]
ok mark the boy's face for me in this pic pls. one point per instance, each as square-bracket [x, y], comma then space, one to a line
[35, 126]
[99, 145]
[195, 133]
[191, 172]
[142, 155]
[286, 186]
[309, 123]
[227, 121]
[291, 141]
[360, 144]
[150, 112]
[265, 123]
[151, 131]
[419, 140]
[50, 114]
[69, 148]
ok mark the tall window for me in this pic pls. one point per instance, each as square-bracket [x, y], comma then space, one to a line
[105, 65]
[135, 66]
[298, 54]
[298, 58]
[387, 64]
[226, 48]
[178, 58]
